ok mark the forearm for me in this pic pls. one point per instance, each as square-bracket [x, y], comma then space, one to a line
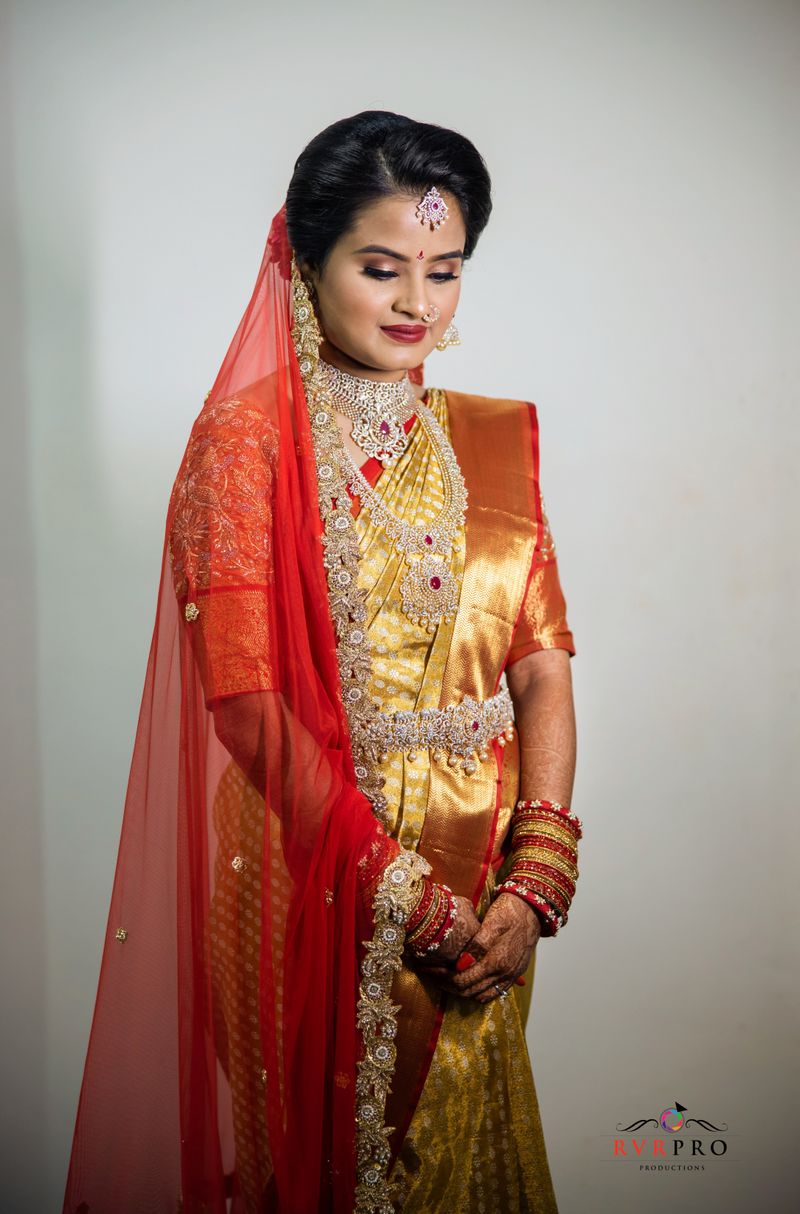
[540, 685]
[301, 782]
[274, 750]
[297, 778]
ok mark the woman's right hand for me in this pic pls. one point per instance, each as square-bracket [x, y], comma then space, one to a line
[465, 926]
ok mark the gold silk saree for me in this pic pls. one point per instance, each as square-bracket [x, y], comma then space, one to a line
[468, 1135]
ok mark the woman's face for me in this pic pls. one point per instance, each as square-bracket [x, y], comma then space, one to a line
[389, 270]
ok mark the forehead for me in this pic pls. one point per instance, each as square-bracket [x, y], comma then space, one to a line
[393, 222]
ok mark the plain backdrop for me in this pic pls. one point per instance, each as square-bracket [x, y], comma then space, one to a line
[638, 281]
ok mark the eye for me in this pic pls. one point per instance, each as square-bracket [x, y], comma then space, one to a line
[384, 275]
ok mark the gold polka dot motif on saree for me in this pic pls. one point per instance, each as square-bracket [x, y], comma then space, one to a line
[234, 929]
[407, 661]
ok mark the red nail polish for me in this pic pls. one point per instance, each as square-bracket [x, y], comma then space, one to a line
[464, 961]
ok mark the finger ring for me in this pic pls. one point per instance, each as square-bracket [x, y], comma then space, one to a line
[503, 991]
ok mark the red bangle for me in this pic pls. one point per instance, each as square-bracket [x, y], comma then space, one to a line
[554, 807]
[545, 883]
[421, 909]
[544, 888]
[433, 921]
[550, 919]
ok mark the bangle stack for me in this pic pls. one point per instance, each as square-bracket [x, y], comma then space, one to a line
[432, 919]
[544, 863]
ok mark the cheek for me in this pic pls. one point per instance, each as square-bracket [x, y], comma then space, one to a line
[454, 295]
[364, 304]
[357, 307]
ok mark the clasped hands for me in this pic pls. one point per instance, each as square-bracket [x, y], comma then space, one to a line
[502, 945]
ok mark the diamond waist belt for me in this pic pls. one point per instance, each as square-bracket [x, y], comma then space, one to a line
[460, 733]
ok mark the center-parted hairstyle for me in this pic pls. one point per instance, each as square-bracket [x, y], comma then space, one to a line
[373, 155]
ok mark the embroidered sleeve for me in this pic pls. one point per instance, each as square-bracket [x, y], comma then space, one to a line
[220, 546]
[542, 622]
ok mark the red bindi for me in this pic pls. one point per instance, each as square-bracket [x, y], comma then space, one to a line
[420, 255]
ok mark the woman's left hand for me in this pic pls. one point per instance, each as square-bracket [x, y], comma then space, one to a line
[503, 947]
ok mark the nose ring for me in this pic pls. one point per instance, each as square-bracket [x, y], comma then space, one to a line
[433, 315]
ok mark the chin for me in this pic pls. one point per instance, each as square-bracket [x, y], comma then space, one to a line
[402, 360]
[403, 357]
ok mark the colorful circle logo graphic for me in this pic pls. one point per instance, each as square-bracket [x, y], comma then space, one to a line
[672, 1119]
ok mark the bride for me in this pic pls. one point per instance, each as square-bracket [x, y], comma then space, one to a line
[348, 817]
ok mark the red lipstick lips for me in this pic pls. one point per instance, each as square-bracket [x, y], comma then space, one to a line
[407, 333]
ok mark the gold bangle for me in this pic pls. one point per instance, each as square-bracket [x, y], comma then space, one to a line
[546, 856]
[561, 835]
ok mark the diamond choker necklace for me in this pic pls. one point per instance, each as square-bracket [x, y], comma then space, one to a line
[376, 408]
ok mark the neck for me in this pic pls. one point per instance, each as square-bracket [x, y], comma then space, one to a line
[337, 358]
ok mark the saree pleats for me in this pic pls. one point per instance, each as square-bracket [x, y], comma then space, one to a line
[475, 1143]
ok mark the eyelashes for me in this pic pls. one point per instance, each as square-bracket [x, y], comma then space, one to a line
[384, 275]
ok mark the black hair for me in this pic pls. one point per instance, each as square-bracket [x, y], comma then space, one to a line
[358, 160]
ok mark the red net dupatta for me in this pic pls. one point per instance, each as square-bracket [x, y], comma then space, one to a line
[242, 1038]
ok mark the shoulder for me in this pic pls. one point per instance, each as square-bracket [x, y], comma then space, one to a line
[244, 416]
[230, 456]
[495, 420]
[475, 405]
[220, 509]
[495, 433]
[233, 431]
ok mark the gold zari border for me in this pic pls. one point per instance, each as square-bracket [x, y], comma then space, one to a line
[377, 1022]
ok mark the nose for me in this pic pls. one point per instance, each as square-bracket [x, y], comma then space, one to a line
[412, 299]
[415, 310]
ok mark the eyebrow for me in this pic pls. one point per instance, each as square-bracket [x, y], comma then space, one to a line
[379, 248]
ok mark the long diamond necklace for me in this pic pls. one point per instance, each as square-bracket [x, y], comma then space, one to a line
[429, 591]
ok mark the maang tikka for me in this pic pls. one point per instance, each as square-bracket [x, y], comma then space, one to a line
[432, 209]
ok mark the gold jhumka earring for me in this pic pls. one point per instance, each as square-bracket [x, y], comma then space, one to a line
[450, 337]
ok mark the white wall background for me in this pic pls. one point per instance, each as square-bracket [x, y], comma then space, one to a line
[639, 282]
